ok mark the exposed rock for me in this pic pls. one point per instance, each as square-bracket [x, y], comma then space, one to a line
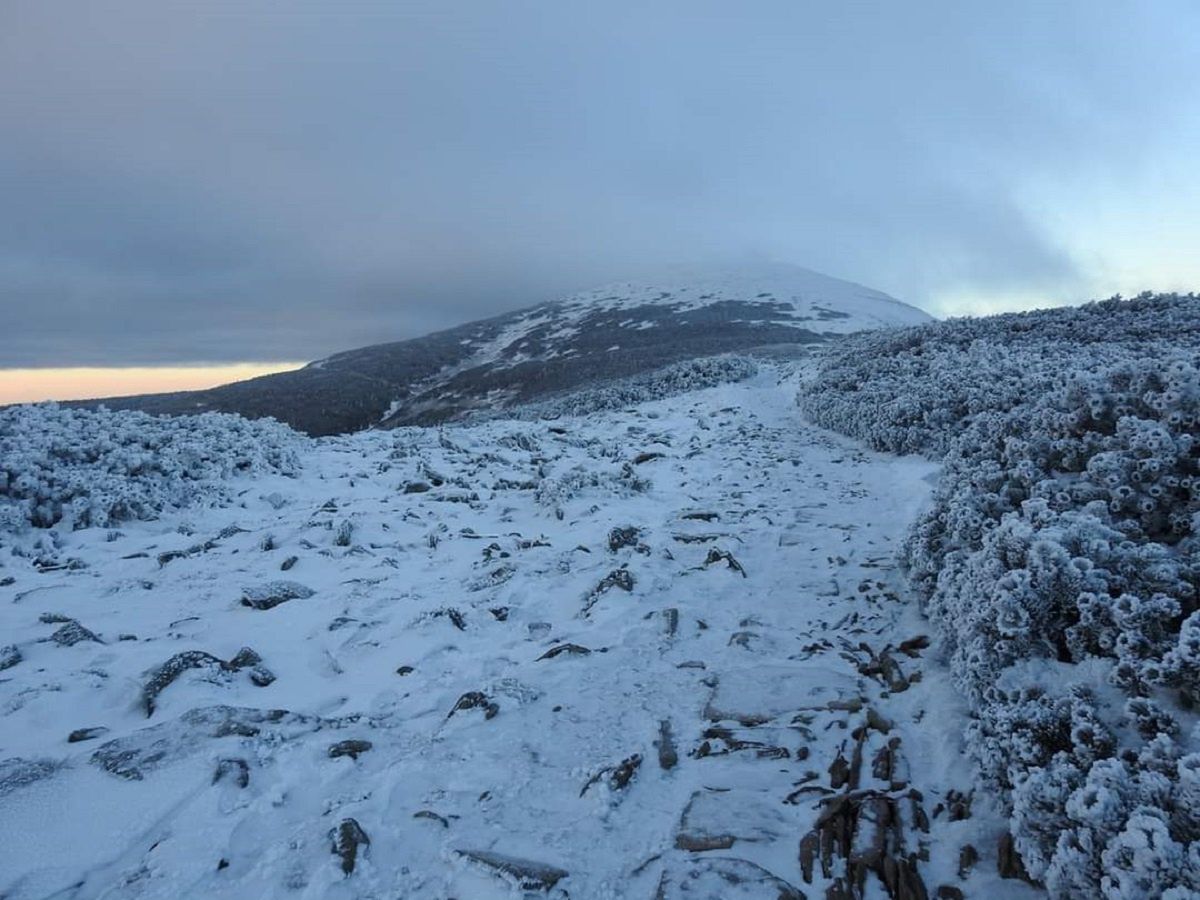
[288, 563]
[623, 537]
[457, 619]
[430, 814]
[270, 595]
[717, 819]
[646, 457]
[347, 838]
[670, 621]
[701, 843]
[624, 772]
[619, 775]
[416, 487]
[86, 734]
[618, 578]
[914, 645]
[529, 875]
[570, 649]
[475, 700]
[10, 655]
[1008, 861]
[243, 658]
[760, 693]
[136, 755]
[668, 757]
[17, 772]
[722, 878]
[957, 805]
[695, 538]
[877, 721]
[73, 633]
[716, 555]
[162, 677]
[351, 748]
[967, 857]
[405, 670]
[492, 579]
[232, 768]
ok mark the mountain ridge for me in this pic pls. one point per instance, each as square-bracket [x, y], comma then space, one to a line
[614, 331]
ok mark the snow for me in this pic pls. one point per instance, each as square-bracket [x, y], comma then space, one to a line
[460, 557]
[801, 293]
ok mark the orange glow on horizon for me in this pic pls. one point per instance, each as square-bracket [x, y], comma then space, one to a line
[35, 385]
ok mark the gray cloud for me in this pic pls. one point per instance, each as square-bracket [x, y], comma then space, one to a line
[244, 179]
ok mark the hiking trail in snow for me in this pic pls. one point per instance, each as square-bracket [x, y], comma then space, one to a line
[662, 652]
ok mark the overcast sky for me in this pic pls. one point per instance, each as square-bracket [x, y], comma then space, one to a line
[223, 180]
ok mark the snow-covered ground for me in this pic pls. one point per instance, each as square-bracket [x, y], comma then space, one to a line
[547, 700]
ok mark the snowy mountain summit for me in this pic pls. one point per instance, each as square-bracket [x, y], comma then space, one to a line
[763, 292]
[613, 332]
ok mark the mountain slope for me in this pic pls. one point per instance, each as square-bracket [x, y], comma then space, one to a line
[501, 653]
[610, 332]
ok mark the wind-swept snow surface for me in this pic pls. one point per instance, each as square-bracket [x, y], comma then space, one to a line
[653, 652]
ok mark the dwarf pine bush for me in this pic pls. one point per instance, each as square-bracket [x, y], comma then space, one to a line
[1062, 548]
[99, 467]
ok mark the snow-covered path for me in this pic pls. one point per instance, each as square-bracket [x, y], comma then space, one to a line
[640, 654]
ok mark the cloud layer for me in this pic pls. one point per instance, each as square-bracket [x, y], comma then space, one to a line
[244, 179]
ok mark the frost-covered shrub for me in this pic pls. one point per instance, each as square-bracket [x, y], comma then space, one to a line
[1063, 538]
[98, 467]
[557, 490]
[677, 378]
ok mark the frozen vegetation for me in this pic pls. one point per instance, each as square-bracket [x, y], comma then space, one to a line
[97, 468]
[1060, 563]
[677, 378]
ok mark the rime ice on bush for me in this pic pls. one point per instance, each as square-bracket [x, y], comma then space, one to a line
[1064, 536]
[97, 467]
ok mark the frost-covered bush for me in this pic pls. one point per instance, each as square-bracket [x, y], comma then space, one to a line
[1062, 546]
[97, 467]
[677, 378]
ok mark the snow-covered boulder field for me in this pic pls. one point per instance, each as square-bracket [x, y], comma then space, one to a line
[1060, 563]
[658, 649]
